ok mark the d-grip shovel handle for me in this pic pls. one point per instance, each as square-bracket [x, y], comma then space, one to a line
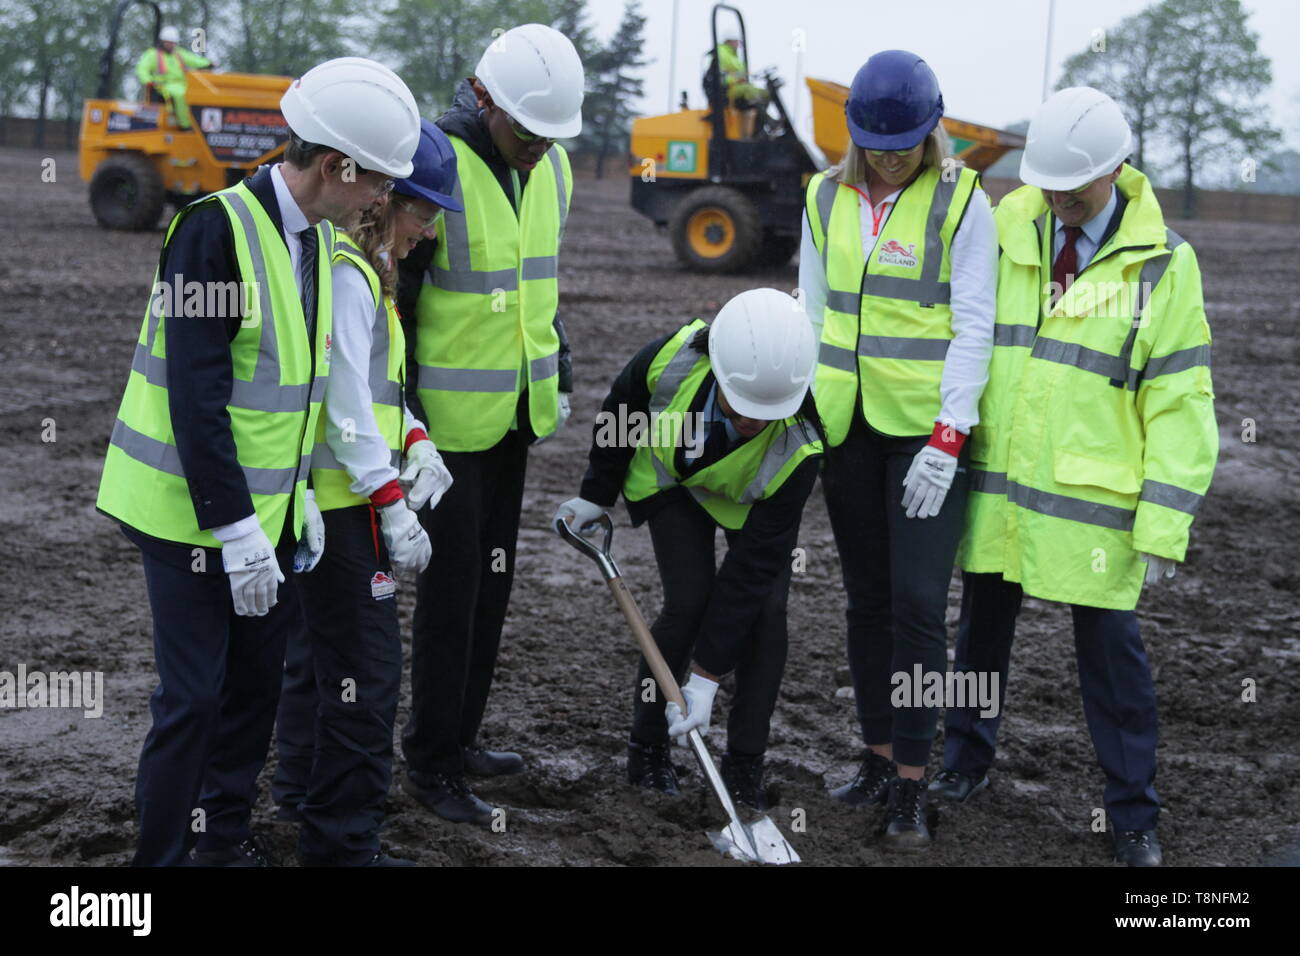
[626, 603]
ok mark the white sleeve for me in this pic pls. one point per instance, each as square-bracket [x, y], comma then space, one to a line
[974, 301]
[350, 428]
[812, 280]
[409, 421]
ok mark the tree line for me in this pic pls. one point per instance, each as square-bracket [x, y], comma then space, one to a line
[50, 50]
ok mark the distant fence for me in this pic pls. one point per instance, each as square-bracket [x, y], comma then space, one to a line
[21, 131]
[1210, 204]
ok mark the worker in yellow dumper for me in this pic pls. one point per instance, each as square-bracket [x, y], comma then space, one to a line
[741, 94]
[161, 71]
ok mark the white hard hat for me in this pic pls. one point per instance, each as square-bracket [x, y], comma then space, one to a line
[763, 352]
[359, 107]
[534, 74]
[1078, 135]
[169, 35]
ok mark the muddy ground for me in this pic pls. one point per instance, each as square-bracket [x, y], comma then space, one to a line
[73, 592]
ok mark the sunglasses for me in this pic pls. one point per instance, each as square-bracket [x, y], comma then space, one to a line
[411, 209]
[523, 135]
[892, 152]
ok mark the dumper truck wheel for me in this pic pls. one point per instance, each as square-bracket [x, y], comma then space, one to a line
[715, 229]
[777, 250]
[126, 192]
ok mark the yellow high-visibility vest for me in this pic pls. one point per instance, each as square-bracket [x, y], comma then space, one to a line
[274, 402]
[485, 315]
[888, 321]
[728, 488]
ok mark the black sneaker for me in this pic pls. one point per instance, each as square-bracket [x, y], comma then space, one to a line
[956, 786]
[871, 783]
[905, 828]
[448, 796]
[1138, 848]
[649, 766]
[247, 853]
[743, 775]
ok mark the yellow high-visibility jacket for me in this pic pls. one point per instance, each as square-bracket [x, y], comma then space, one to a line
[1097, 438]
[165, 72]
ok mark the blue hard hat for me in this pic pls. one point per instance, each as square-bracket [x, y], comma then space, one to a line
[894, 101]
[434, 176]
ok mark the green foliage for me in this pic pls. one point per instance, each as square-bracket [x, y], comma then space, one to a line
[613, 87]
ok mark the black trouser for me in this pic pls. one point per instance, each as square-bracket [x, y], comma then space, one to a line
[896, 575]
[461, 600]
[683, 534]
[213, 709]
[1119, 698]
[339, 701]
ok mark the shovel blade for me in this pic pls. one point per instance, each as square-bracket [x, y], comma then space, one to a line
[766, 841]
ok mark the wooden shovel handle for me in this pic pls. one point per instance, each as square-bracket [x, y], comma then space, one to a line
[645, 640]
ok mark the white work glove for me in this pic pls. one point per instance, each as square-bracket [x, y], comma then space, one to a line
[312, 543]
[254, 573]
[563, 413]
[580, 514]
[1158, 567]
[928, 479]
[427, 476]
[408, 545]
[699, 692]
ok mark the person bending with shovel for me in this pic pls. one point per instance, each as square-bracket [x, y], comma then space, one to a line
[712, 426]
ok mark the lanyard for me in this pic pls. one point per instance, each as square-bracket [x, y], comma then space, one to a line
[877, 213]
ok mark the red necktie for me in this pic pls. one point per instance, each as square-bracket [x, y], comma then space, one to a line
[1067, 262]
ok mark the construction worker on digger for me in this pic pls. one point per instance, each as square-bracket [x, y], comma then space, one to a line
[740, 93]
[162, 71]
[733, 442]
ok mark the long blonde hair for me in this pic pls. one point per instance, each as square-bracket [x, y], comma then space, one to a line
[373, 234]
[852, 169]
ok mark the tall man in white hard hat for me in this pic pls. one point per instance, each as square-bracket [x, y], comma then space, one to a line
[207, 467]
[163, 73]
[490, 377]
[735, 443]
[1096, 443]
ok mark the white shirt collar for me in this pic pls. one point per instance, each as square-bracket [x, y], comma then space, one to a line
[294, 219]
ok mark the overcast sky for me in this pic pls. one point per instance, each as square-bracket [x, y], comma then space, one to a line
[988, 55]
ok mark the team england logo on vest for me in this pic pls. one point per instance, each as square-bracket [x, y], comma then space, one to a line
[382, 586]
[894, 253]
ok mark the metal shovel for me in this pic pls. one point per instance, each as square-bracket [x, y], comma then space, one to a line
[757, 842]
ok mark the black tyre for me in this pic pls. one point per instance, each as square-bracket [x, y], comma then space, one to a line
[777, 250]
[126, 192]
[715, 229]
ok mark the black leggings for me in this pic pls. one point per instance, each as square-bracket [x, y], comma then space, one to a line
[896, 575]
[683, 536]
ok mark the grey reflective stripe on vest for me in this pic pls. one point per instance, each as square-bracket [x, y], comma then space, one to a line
[383, 391]
[1079, 356]
[671, 378]
[468, 379]
[461, 276]
[544, 367]
[897, 347]
[322, 456]
[265, 393]
[1171, 496]
[778, 455]
[1014, 336]
[1052, 505]
[165, 458]
[846, 360]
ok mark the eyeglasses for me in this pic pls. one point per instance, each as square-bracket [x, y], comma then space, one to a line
[523, 135]
[385, 185]
[411, 209]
